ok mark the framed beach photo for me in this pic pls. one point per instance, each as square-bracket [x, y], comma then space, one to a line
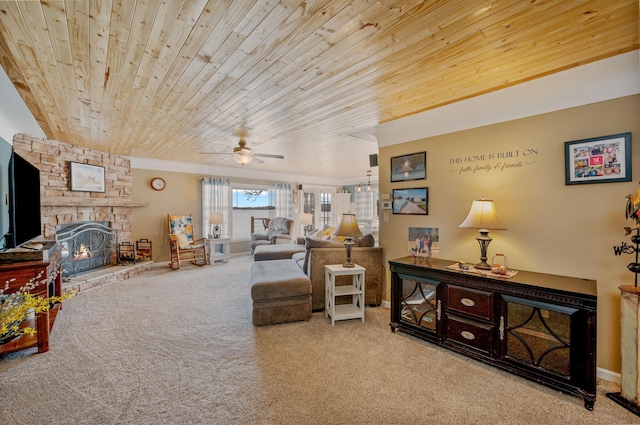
[411, 201]
[86, 178]
[409, 167]
[603, 159]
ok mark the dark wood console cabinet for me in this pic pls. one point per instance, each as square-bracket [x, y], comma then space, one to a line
[538, 326]
[48, 272]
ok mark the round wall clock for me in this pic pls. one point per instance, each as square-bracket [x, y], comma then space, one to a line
[158, 183]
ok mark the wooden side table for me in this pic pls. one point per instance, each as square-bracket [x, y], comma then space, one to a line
[218, 250]
[355, 310]
[48, 273]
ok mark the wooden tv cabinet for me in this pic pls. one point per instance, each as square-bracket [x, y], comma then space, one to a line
[47, 271]
[538, 326]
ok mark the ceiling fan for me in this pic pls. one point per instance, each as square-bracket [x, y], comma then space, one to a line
[244, 155]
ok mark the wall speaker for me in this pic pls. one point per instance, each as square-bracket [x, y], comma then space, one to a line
[373, 160]
[299, 187]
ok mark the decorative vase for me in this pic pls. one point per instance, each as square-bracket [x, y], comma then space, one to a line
[11, 334]
[9, 302]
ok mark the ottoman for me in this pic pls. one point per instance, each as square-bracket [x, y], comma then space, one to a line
[280, 291]
[276, 251]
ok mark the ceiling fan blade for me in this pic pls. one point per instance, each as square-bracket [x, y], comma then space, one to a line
[259, 161]
[224, 159]
[216, 153]
[266, 155]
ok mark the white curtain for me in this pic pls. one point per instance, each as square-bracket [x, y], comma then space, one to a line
[366, 210]
[284, 201]
[216, 198]
[365, 202]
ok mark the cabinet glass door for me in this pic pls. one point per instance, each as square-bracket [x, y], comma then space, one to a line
[419, 304]
[537, 334]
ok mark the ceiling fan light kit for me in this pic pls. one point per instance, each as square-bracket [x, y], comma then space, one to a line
[244, 155]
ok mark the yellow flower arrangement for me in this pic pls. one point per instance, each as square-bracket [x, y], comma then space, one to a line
[17, 306]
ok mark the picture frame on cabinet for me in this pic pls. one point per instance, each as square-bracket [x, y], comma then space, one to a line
[424, 241]
[604, 159]
[86, 178]
[414, 201]
[409, 167]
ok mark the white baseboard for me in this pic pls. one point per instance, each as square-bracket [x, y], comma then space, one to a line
[608, 375]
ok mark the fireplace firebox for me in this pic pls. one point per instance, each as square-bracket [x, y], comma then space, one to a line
[86, 246]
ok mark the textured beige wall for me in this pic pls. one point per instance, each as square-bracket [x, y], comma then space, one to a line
[552, 228]
[182, 196]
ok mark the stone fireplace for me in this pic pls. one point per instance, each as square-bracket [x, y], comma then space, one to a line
[62, 208]
[86, 246]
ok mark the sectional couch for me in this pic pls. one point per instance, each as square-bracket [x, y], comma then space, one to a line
[319, 253]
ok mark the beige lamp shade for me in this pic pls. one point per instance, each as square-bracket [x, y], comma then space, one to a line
[348, 226]
[215, 218]
[482, 215]
[306, 219]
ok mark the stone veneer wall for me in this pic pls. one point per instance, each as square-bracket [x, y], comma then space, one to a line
[59, 204]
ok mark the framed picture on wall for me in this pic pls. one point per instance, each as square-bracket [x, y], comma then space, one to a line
[86, 178]
[603, 159]
[409, 167]
[411, 201]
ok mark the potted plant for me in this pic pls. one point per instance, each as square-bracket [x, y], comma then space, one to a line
[17, 306]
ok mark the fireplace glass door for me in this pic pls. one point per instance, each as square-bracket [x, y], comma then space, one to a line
[537, 334]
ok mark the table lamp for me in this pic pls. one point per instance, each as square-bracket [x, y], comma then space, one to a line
[349, 229]
[306, 220]
[482, 216]
[216, 220]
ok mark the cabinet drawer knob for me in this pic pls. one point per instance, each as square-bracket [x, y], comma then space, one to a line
[468, 335]
[467, 302]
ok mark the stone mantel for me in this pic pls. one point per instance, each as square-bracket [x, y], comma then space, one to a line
[68, 201]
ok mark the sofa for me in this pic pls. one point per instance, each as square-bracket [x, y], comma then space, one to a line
[319, 253]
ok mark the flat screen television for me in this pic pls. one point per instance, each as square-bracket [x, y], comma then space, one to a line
[6, 152]
[20, 216]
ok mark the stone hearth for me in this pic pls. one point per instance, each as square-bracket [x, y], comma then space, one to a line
[106, 276]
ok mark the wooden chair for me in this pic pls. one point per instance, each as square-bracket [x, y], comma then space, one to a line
[183, 246]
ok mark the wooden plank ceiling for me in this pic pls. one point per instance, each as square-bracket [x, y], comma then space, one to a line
[169, 79]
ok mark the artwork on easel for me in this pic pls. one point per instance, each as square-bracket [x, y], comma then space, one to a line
[424, 241]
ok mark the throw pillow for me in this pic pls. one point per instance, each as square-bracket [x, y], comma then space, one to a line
[367, 241]
[183, 241]
[310, 233]
[328, 231]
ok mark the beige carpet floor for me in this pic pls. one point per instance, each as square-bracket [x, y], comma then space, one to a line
[178, 347]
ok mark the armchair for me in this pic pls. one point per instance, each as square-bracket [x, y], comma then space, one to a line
[279, 230]
[182, 245]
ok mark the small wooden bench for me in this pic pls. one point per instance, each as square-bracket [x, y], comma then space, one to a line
[280, 291]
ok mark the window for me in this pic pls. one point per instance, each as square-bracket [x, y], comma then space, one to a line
[251, 201]
[310, 204]
[325, 208]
